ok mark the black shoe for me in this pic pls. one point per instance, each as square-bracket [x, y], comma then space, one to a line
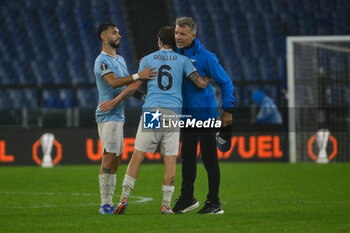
[182, 205]
[211, 208]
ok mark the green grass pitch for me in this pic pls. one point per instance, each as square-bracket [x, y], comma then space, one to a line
[256, 197]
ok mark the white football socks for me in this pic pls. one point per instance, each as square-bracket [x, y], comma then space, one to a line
[113, 179]
[105, 187]
[168, 192]
[127, 186]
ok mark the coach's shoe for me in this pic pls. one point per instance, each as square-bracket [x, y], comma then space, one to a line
[106, 210]
[211, 208]
[182, 205]
[166, 210]
[122, 206]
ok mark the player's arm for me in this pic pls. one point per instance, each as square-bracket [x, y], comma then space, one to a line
[201, 82]
[139, 95]
[193, 75]
[217, 72]
[115, 82]
[126, 93]
[141, 92]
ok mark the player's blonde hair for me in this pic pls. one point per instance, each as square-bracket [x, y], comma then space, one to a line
[187, 21]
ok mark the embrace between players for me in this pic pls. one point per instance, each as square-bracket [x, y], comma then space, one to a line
[168, 82]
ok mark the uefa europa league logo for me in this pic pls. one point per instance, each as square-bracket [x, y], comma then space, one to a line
[322, 137]
[46, 141]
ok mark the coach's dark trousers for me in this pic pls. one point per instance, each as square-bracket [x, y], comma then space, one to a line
[190, 138]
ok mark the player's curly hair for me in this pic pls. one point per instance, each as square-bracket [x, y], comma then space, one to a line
[167, 35]
[103, 27]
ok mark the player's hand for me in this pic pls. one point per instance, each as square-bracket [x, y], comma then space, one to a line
[106, 105]
[148, 73]
[206, 80]
[203, 82]
[226, 119]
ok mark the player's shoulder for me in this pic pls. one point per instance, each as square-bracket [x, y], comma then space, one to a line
[159, 52]
[146, 58]
[120, 57]
[150, 55]
[102, 58]
[181, 57]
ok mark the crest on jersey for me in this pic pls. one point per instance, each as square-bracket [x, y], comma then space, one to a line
[104, 66]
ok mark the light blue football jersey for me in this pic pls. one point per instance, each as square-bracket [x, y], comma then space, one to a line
[165, 91]
[105, 64]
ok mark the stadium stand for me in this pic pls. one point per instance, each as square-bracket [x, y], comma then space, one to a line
[255, 32]
[53, 44]
[47, 48]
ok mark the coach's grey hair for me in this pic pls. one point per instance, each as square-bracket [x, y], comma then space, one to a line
[186, 21]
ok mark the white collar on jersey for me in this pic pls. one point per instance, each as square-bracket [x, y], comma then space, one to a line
[109, 55]
[166, 49]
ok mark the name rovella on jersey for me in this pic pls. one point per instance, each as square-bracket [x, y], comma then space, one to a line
[165, 57]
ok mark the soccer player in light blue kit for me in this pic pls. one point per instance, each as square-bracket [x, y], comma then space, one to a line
[164, 96]
[111, 77]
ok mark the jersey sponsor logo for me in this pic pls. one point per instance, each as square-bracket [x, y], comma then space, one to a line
[104, 66]
[151, 120]
[192, 60]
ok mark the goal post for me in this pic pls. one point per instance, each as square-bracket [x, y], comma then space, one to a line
[318, 79]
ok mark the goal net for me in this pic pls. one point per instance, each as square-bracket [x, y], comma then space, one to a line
[318, 98]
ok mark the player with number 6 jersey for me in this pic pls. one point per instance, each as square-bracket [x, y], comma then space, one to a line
[163, 96]
[165, 91]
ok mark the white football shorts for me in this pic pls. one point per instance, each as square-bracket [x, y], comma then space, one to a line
[111, 135]
[147, 140]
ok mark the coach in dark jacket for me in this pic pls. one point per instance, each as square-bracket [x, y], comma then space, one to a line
[201, 105]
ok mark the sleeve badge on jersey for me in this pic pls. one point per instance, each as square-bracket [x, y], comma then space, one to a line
[104, 66]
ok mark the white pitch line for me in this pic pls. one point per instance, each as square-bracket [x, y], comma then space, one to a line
[139, 200]
[50, 193]
[54, 206]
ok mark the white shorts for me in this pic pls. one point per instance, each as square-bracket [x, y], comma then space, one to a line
[147, 140]
[111, 136]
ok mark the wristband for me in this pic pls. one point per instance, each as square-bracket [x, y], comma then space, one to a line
[135, 77]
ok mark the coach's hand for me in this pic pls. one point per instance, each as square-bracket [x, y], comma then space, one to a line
[107, 105]
[148, 73]
[226, 119]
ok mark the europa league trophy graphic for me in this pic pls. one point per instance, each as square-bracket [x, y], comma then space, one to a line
[322, 137]
[46, 141]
